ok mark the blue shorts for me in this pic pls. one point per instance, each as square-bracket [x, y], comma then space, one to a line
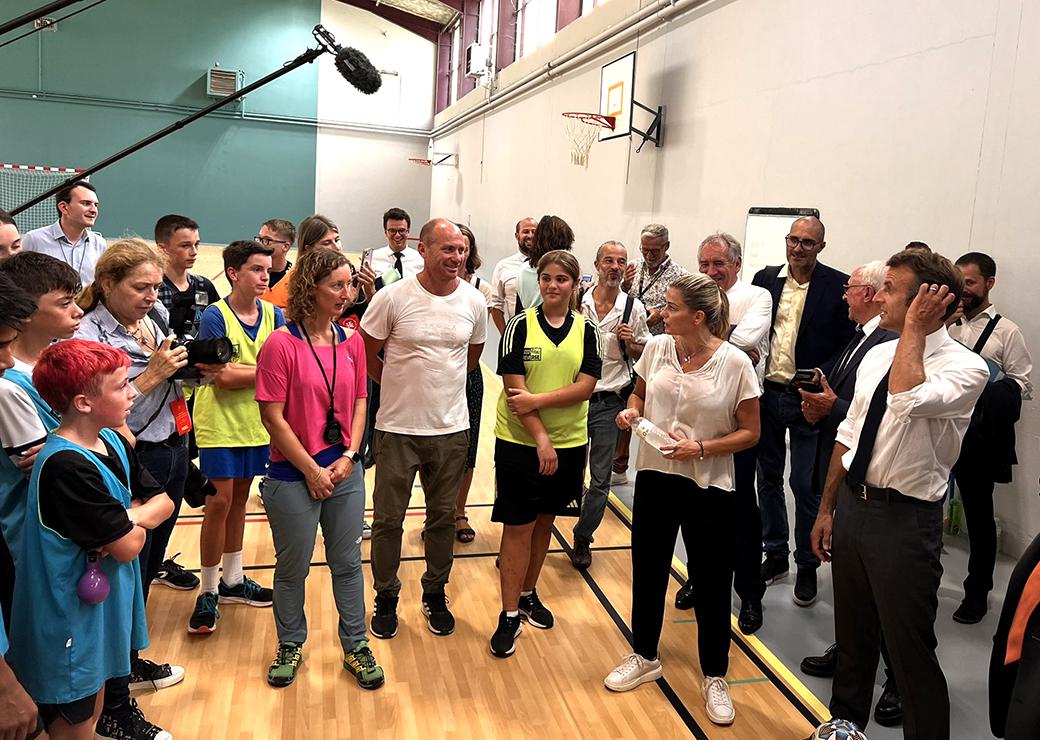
[234, 462]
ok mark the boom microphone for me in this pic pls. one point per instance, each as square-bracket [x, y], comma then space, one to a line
[358, 71]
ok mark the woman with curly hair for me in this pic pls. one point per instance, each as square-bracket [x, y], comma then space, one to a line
[310, 384]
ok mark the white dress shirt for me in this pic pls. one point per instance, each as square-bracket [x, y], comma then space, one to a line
[921, 431]
[751, 316]
[1006, 346]
[503, 284]
[383, 259]
[616, 373]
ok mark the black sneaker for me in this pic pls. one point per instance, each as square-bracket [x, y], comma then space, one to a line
[805, 587]
[204, 619]
[172, 575]
[503, 642]
[684, 596]
[438, 618]
[773, 569]
[581, 555]
[534, 612]
[384, 621]
[146, 675]
[129, 725]
[247, 592]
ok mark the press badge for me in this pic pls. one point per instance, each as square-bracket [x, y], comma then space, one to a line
[181, 417]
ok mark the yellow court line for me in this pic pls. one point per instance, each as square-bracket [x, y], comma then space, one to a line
[757, 646]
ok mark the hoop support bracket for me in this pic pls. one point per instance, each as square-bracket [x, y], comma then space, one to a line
[655, 132]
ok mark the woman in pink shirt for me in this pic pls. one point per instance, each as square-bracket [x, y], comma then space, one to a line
[311, 386]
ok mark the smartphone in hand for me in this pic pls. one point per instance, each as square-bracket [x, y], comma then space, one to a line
[808, 380]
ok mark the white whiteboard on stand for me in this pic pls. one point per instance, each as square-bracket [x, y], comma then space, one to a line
[764, 237]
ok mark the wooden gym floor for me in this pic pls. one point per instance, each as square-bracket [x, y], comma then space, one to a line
[452, 686]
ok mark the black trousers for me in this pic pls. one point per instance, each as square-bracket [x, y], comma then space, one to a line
[663, 504]
[976, 486]
[886, 574]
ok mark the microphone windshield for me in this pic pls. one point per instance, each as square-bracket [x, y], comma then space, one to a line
[358, 71]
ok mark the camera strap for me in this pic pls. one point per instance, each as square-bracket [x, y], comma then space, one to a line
[161, 325]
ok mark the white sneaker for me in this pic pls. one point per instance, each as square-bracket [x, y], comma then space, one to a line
[632, 672]
[717, 701]
[366, 531]
[619, 479]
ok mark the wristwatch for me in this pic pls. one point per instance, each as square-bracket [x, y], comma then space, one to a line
[354, 455]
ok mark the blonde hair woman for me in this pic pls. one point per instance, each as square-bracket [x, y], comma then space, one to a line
[703, 392]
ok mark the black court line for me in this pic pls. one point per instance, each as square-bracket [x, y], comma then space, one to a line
[413, 558]
[738, 638]
[264, 513]
[662, 683]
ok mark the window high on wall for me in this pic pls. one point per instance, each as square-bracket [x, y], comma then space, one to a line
[457, 60]
[487, 28]
[535, 24]
[587, 6]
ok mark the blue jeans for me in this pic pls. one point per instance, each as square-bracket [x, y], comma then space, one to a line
[603, 437]
[782, 413]
[169, 467]
[294, 518]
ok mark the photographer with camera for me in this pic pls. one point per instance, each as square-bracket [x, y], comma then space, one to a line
[233, 443]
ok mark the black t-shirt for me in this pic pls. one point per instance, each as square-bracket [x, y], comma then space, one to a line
[275, 277]
[75, 502]
[511, 359]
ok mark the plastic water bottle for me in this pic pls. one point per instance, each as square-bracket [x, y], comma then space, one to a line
[93, 584]
[652, 434]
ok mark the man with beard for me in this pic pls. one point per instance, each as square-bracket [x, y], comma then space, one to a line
[503, 279]
[622, 325]
[988, 452]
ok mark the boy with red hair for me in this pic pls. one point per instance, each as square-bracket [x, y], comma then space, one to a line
[88, 499]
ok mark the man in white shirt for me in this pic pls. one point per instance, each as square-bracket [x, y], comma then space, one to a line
[750, 314]
[432, 328]
[988, 452]
[503, 279]
[71, 238]
[881, 512]
[622, 324]
[396, 254]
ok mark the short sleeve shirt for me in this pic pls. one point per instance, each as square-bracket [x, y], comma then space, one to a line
[81, 256]
[697, 405]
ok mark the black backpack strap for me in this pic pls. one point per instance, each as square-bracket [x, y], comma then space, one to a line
[984, 337]
[476, 284]
[630, 302]
[155, 316]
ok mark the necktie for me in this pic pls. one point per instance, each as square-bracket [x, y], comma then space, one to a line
[398, 265]
[868, 435]
[849, 351]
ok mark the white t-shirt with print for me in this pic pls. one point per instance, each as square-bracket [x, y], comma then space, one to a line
[423, 387]
[697, 405]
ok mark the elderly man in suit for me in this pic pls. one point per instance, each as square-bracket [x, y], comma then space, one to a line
[809, 330]
[825, 411]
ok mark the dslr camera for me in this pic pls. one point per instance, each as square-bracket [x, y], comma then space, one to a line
[184, 322]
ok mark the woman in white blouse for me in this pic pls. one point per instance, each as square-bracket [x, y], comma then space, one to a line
[702, 391]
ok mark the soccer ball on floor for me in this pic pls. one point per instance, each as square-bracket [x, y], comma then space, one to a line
[837, 729]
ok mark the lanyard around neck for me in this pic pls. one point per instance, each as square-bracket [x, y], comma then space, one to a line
[330, 387]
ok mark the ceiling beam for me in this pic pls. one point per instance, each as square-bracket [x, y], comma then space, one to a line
[427, 29]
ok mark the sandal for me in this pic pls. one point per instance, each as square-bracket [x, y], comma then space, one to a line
[465, 534]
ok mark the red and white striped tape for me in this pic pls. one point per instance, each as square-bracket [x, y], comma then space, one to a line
[37, 168]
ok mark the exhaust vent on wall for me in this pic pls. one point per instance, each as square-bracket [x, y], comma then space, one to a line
[222, 82]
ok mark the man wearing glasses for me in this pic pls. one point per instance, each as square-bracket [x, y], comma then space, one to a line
[810, 328]
[396, 254]
[279, 235]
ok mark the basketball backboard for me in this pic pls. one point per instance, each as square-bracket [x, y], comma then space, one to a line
[617, 80]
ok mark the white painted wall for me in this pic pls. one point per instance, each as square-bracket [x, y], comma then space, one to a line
[899, 121]
[360, 174]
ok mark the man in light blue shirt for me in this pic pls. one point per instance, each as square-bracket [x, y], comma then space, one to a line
[71, 238]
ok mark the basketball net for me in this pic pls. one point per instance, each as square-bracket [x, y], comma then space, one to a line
[581, 135]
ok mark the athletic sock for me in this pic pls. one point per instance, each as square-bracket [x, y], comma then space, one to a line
[515, 613]
[232, 568]
[209, 576]
[526, 593]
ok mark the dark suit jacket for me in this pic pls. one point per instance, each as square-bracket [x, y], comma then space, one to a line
[843, 383]
[825, 328]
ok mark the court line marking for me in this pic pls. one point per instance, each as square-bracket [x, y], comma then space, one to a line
[799, 695]
[417, 507]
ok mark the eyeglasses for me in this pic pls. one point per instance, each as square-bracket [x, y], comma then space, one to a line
[268, 241]
[848, 286]
[397, 232]
[794, 241]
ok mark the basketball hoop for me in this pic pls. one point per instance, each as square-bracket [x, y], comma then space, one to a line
[421, 161]
[446, 158]
[582, 130]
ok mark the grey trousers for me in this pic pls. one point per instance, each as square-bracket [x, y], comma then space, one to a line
[294, 517]
[440, 461]
[603, 437]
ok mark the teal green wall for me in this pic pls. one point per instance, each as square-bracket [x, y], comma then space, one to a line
[111, 63]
